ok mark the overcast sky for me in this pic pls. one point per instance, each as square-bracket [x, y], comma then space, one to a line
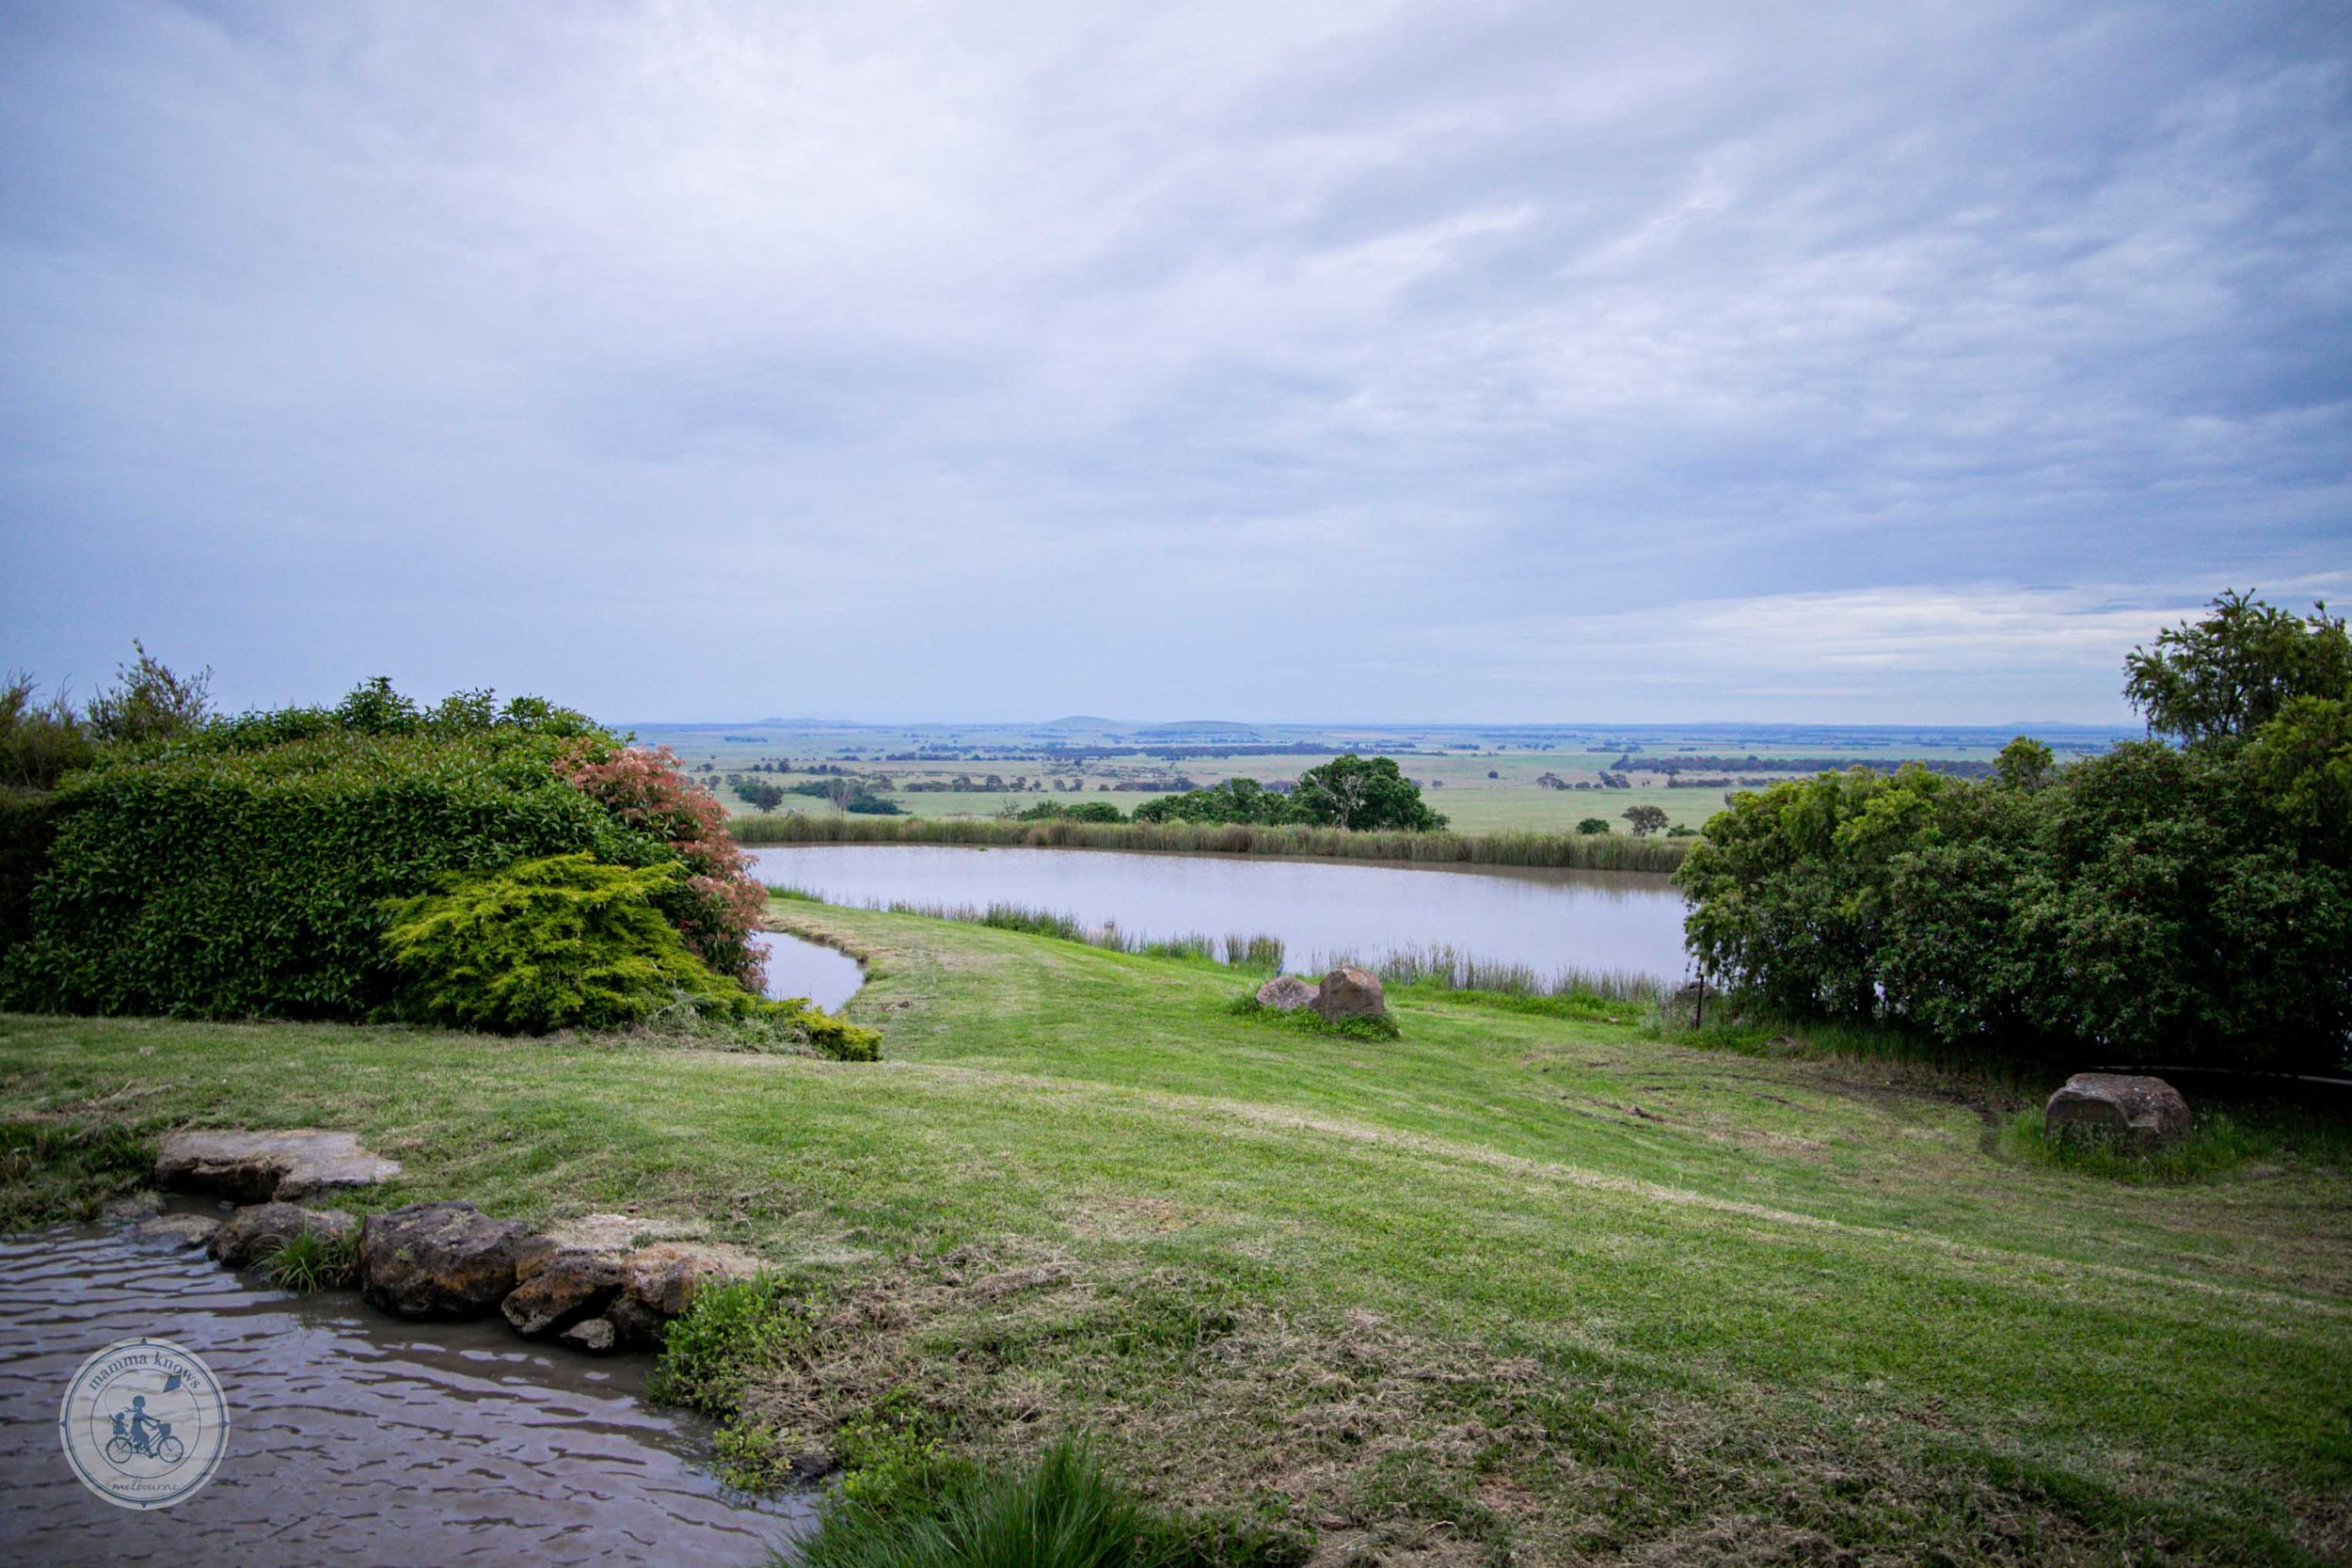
[1457, 360]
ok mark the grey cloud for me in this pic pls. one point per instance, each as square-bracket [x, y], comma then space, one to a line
[1048, 357]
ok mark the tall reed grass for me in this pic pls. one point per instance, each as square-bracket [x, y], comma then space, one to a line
[1438, 965]
[1577, 851]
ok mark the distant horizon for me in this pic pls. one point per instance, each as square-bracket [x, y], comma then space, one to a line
[1685, 726]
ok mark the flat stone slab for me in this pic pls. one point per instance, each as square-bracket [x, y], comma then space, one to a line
[286, 1167]
[175, 1230]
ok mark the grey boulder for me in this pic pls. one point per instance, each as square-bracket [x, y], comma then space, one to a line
[1350, 992]
[556, 1286]
[175, 1230]
[2117, 1105]
[1286, 993]
[438, 1261]
[252, 1233]
[593, 1335]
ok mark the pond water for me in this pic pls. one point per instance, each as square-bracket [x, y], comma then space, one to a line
[808, 970]
[353, 1437]
[1547, 920]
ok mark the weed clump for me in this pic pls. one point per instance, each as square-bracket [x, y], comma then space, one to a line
[64, 1169]
[1308, 1021]
[1063, 1512]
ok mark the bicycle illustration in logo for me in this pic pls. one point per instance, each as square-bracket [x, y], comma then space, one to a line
[139, 1436]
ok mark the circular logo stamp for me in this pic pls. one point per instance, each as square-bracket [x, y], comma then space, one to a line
[143, 1423]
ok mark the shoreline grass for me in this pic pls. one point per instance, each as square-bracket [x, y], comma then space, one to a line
[1563, 851]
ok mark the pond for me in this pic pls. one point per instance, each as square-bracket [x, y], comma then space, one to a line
[353, 1436]
[1545, 920]
[808, 970]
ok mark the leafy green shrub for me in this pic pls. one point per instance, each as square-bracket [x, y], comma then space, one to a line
[551, 943]
[224, 879]
[40, 742]
[1084, 810]
[2187, 905]
[243, 867]
[729, 1336]
[1593, 825]
[28, 827]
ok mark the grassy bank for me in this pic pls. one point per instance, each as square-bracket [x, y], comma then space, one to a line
[1588, 852]
[1526, 1284]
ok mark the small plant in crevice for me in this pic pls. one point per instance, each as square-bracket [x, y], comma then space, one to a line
[311, 1260]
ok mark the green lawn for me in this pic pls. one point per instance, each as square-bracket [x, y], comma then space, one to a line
[1513, 1287]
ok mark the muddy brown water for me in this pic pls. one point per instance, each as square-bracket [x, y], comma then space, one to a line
[355, 1438]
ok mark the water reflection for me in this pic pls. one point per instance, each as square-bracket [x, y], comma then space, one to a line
[1546, 919]
[807, 970]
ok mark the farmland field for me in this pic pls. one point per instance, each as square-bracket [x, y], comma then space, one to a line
[1484, 780]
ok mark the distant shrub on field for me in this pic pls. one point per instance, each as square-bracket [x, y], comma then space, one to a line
[1360, 794]
[1084, 810]
[1593, 825]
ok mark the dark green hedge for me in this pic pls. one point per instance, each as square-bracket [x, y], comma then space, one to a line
[28, 824]
[246, 875]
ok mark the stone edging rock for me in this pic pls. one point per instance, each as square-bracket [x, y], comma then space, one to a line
[586, 1283]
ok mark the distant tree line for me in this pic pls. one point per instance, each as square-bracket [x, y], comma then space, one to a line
[1349, 791]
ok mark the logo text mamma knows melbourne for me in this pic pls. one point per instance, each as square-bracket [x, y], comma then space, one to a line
[143, 1423]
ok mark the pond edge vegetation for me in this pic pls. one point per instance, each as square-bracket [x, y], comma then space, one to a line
[1561, 851]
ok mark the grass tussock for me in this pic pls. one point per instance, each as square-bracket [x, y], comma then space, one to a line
[2218, 1142]
[64, 1166]
[1575, 852]
[1061, 1511]
[311, 1260]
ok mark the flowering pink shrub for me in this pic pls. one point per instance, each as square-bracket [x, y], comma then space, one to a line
[720, 903]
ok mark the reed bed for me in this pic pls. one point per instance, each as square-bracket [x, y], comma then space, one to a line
[1575, 852]
[1445, 967]
[1438, 965]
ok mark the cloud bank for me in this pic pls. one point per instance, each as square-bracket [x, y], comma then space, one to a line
[1455, 361]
